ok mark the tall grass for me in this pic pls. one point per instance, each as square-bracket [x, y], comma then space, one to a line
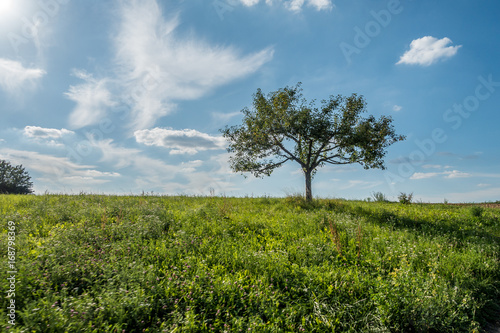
[94, 263]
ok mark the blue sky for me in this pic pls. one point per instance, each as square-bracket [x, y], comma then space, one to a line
[129, 96]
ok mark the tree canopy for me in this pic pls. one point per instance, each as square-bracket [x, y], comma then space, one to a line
[14, 179]
[283, 127]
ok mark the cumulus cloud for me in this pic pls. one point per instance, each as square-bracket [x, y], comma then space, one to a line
[187, 141]
[92, 99]
[397, 108]
[158, 67]
[45, 133]
[47, 136]
[427, 50]
[14, 77]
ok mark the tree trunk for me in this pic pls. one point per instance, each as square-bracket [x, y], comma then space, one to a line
[309, 196]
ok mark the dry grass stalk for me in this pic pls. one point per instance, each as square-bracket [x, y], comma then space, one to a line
[334, 234]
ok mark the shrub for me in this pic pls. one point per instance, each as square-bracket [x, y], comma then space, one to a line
[476, 211]
[379, 197]
[404, 198]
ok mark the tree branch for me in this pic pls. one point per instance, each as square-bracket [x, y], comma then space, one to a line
[329, 159]
[290, 155]
[272, 166]
[320, 150]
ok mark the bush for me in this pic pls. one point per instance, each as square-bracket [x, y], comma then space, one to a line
[14, 179]
[476, 211]
[379, 197]
[404, 198]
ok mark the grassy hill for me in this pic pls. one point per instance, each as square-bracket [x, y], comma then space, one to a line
[92, 263]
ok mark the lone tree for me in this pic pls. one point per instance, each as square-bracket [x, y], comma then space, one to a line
[14, 179]
[282, 127]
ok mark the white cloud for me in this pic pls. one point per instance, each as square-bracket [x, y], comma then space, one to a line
[58, 171]
[222, 118]
[47, 136]
[92, 99]
[147, 172]
[424, 175]
[14, 77]
[158, 67]
[120, 157]
[397, 108]
[483, 185]
[187, 141]
[456, 174]
[473, 196]
[45, 133]
[153, 173]
[249, 3]
[321, 4]
[295, 5]
[427, 50]
[431, 166]
[361, 184]
[448, 174]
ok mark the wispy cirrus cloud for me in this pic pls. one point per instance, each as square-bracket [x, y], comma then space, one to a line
[362, 184]
[168, 67]
[428, 50]
[92, 99]
[446, 174]
[58, 170]
[187, 141]
[295, 5]
[424, 175]
[14, 77]
[194, 176]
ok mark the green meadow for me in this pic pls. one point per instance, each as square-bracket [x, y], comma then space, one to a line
[92, 263]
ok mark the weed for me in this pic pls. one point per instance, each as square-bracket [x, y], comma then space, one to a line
[335, 237]
[404, 198]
